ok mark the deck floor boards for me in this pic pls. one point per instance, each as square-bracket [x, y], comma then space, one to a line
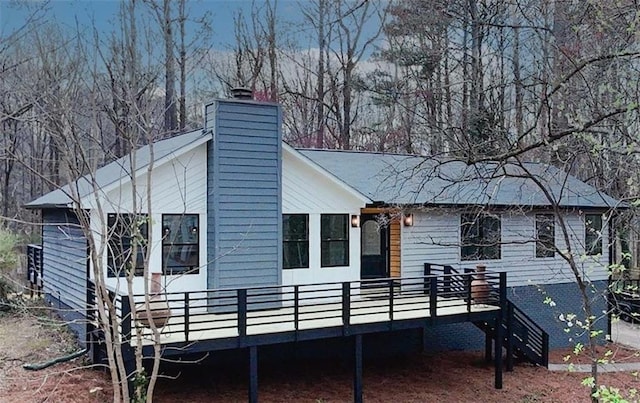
[363, 310]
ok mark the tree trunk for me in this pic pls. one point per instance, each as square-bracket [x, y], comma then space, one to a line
[170, 124]
[517, 80]
[321, 73]
[182, 63]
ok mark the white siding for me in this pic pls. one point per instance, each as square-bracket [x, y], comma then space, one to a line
[306, 191]
[177, 186]
[435, 238]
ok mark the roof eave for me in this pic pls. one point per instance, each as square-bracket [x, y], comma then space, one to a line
[46, 206]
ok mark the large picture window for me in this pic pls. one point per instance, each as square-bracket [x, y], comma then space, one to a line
[593, 234]
[295, 241]
[123, 231]
[545, 235]
[334, 235]
[480, 237]
[180, 244]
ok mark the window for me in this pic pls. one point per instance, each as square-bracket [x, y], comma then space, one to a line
[593, 234]
[480, 236]
[545, 235]
[295, 241]
[180, 244]
[123, 229]
[334, 235]
[371, 238]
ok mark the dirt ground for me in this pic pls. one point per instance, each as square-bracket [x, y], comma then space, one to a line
[452, 376]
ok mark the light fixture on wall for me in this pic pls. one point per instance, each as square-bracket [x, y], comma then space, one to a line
[355, 221]
[166, 231]
[194, 230]
[407, 220]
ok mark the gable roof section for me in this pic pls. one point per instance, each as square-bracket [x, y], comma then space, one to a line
[411, 180]
[110, 175]
[322, 171]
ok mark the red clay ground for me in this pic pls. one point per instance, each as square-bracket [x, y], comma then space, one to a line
[453, 376]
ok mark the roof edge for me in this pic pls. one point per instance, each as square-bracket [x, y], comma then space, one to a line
[364, 198]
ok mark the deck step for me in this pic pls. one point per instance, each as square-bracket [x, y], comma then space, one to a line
[529, 341]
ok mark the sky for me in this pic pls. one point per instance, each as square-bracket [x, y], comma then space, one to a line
[13, 14]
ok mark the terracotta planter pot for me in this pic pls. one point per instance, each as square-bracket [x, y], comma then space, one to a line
[160, 313]
[480, 288]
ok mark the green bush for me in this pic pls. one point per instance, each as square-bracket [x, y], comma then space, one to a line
[8, 262]
[8, 255]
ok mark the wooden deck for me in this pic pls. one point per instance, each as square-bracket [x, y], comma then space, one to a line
[211, 320]
[363, 310]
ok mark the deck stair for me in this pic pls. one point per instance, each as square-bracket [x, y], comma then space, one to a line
[523, 338]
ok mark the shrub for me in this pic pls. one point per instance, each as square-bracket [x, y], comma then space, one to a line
[8, 261]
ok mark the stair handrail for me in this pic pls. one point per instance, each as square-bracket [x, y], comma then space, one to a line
[512, 309]
[533, 327]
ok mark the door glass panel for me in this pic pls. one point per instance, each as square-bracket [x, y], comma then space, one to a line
[370, 238]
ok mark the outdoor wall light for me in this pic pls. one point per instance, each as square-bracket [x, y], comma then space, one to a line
[355, 221]
[166, 230]
[408, 220]
[194, 230]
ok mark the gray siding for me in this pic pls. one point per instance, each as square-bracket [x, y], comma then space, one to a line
[64, 259]
[244, 187]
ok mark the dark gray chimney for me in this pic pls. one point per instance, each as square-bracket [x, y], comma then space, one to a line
[241, 93]
[244, 213]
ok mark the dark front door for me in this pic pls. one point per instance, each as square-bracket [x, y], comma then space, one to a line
[374, 247]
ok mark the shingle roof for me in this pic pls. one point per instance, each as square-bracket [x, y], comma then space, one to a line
[401, 179]
[116, 170]
[387, 178]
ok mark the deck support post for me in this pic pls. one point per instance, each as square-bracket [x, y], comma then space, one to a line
[499, 334]
[357, 369]
[253, 374]
[130, 370]
[128, 357]
[509, 337]
[488, 354]
[498, 353]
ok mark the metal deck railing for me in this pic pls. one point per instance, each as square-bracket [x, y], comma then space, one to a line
[342, 307]
[521, 333]
[34, 268]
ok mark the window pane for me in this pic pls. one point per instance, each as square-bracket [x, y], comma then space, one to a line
[334, 253]
[335, 240]
[123, 229]
[180, 257]
[545, 235]
[295, 255]
[371, 240]
[470, 252]
[491, 238]
[180, 229]
[333, 226]
[180, 244]
[295, 227]
[295, 241]
[480, 237]
[593, 234]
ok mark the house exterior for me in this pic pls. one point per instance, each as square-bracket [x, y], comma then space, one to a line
[232, 206]
[455, 209]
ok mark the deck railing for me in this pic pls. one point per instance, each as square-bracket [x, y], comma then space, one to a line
[34, 268]
[531, 339]
[520, 330]
[628, 286]
[455, 282]
[215, 314]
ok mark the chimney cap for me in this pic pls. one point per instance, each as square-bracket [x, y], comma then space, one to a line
[241, 93]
